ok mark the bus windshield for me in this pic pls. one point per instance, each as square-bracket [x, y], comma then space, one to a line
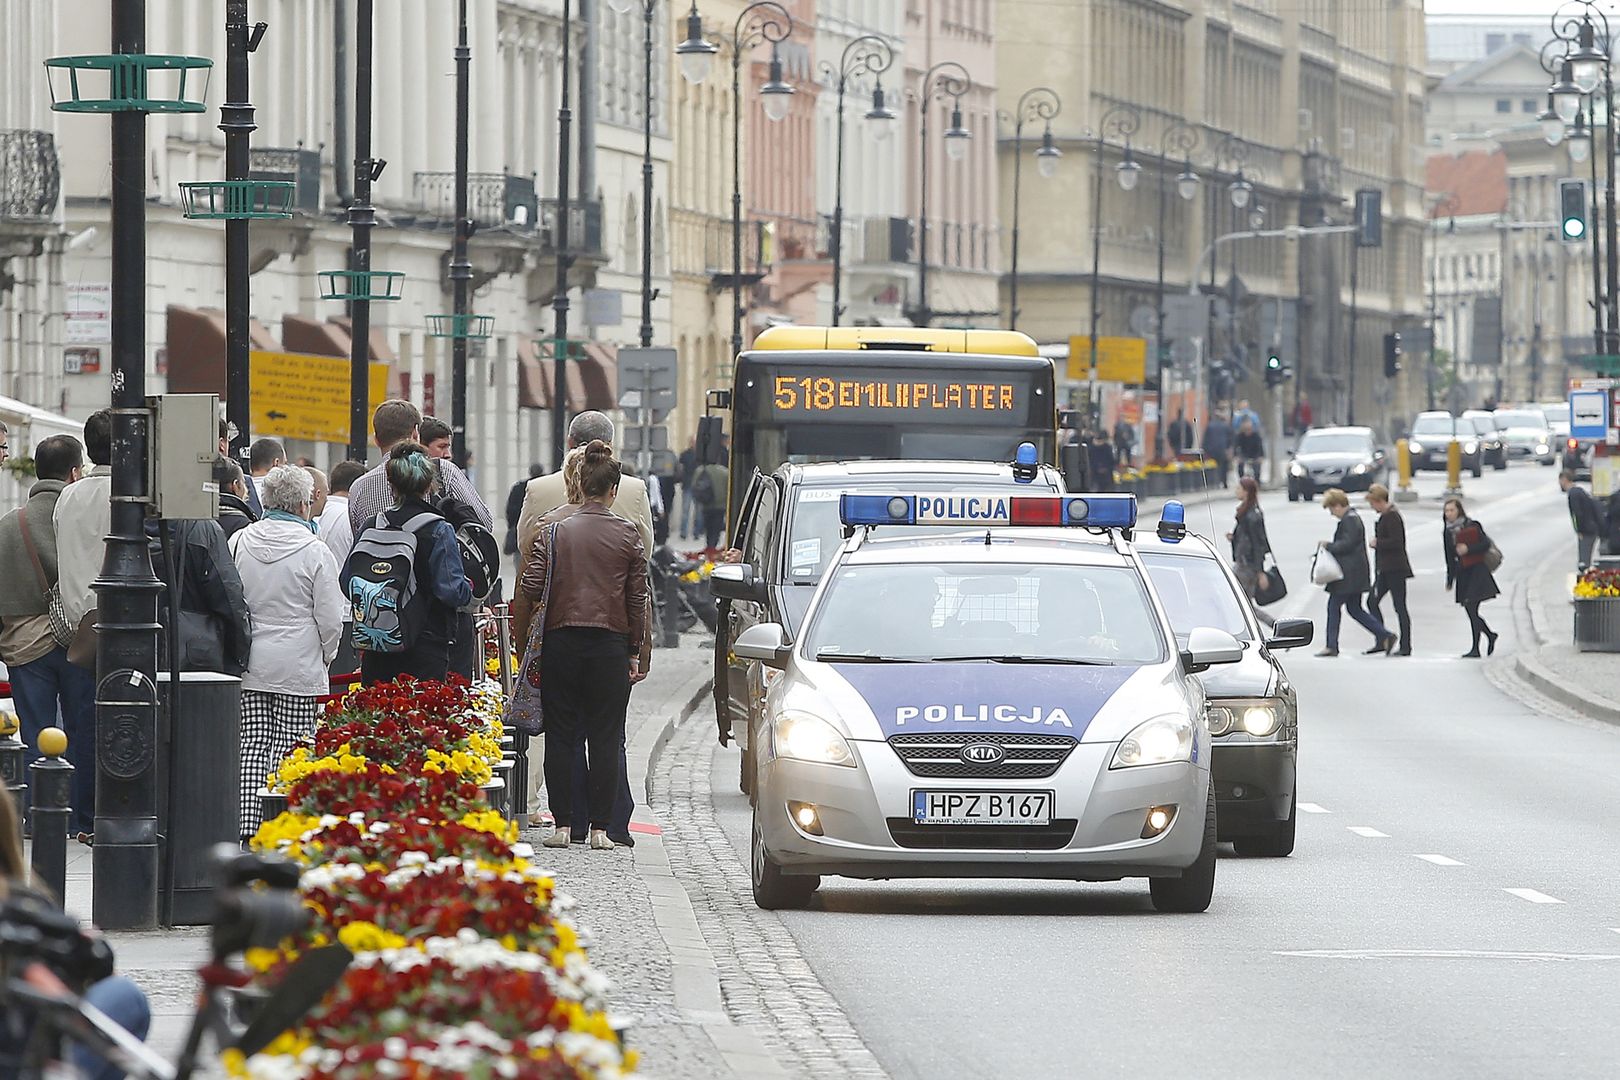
[849, 405]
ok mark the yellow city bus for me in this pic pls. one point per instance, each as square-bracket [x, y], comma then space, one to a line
[805, 394]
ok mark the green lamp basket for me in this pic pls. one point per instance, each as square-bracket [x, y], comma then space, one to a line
[471, 327]
[129, 79]
[361, 284]
[237, 200]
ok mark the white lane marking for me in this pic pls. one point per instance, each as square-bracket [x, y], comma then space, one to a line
[1441, 954]
[1367, 831]
[1616, 929]
[1439, 860]
[1533, 896]
[1312, 808]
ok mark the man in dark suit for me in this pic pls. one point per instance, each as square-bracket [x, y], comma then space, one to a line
[1393, 568]
[1585, 516]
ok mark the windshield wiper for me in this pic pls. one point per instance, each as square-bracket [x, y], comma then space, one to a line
[862, 658]
[1015, 658]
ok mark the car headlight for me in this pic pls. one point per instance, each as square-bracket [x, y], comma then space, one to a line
[1260, 719]
[1359, 470]
[1296, 469]
[1221, 720]
[804, 737]
[1543, 448]
[1414, 447]
[1161, 740]
[1469, 448]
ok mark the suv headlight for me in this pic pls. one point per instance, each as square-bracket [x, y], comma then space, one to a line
[1257, 716]
[1161, 740]
[804, 737]
[1296, 469]
[1359, 470]
[1221, 719]
[1470, 447]
[1414, 447]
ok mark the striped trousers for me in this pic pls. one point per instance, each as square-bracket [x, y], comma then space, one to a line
[272, 724]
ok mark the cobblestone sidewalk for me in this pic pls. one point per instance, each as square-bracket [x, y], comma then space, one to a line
[1587, 682]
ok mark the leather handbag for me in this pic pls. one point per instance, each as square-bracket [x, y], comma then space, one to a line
[1269, 586]
[1493, 558]
[524, 711]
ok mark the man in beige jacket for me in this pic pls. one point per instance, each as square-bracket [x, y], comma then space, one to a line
[543, 495]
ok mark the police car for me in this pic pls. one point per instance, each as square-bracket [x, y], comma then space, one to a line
[1007, 700]
[1253, 712]
[789, 531]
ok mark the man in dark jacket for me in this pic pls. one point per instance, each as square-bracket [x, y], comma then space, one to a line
[1349, 547]
[215, 629]
[1218, 445]
[1100, 462]
[235, 513]
[1251, 449]
[1585, 516]
[514, 507]
[1393, 566]
[42, 680]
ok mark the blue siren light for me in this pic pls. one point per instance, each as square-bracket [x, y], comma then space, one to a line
[976, 509]
[1173, 523]
[1026, 463]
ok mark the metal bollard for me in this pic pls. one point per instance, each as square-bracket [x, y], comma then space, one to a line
[1453, 469]
[1403, 464]
[12, 763]
[53, 790]
[669, 633]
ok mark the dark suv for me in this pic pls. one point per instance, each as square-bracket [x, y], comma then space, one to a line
[788, 531]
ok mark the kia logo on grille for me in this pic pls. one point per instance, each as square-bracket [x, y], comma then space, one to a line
[982, 753]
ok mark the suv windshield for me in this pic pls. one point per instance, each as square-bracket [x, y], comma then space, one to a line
[1433, 425]
[1195, 592]
[1521, 420]
[1326, 443]
[817, 533]
[919, 612]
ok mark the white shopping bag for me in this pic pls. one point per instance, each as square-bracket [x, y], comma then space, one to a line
[1325, 569]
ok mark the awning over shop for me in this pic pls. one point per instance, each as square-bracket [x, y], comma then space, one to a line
[195, 338]
[380, 349]
[591, 378]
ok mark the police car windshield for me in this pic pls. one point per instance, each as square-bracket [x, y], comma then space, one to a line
[1092, 614]
[1196, 593]
[817, 533]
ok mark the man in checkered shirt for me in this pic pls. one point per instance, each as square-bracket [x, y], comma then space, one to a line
[394, 422]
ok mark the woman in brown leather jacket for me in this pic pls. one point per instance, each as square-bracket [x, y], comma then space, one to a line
[589, 572]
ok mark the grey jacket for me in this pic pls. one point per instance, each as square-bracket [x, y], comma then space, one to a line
[21, 593]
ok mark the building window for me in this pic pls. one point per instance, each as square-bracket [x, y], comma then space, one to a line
[1494, 42]
[1503, 105]
[1528, 106]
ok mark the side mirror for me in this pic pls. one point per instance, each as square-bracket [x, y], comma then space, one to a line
[736, 581]
[1291, 634]
[764, 642]
[1208, 647]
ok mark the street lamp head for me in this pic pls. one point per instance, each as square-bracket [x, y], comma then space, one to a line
[1187, 183]
[956, 137]
[696, 54]
[880, 114]
[776, 96]
[1048, 156]
[1580, 141]
[1587, 62]
[1566, 96]
[1129, 171]
[1552, 125]
[1240, 191]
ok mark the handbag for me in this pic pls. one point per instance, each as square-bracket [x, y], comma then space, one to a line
[1325, 568]
[1269, 586]
[524, 710]
[62, 631]
[1493, 558]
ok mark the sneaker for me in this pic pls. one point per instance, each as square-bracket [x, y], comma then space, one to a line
[558, 837]
[600, 841]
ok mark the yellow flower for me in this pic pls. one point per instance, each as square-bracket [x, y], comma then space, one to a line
[261, 959]
[368, 937]
[491, 821]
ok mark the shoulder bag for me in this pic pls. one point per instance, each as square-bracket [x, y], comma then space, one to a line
[524, 711]
[61, 631]
[1269, 586]
[1493, 558]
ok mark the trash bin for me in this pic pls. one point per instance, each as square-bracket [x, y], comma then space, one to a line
[199, 761]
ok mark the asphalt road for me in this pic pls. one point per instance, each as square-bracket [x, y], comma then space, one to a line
[1451, 909]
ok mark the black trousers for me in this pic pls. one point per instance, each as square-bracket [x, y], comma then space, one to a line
[464, 652]
[714, 525]
[426, 661]
[585, 691]
[1395, 589]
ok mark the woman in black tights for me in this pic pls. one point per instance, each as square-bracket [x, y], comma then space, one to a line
[1466, 544]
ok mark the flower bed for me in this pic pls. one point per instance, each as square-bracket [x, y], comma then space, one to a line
[465, 963]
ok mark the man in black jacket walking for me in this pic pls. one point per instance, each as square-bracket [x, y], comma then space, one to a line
[1393, 567]
[1585, 516]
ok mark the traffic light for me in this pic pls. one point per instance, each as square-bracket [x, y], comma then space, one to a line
[1572, 209]
[1392, 355]
[1275, 372]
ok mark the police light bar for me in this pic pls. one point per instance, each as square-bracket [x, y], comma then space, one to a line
[1173, 523]
[1075, 511]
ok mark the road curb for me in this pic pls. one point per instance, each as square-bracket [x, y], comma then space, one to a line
[1532, 672]
[694, 973]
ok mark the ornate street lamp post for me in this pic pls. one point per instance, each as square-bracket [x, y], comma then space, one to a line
[1038, 103]
[1582, 28]
[1180, 140]
[871, 55]
[946, 79]
[648, 9]
[1119, 122]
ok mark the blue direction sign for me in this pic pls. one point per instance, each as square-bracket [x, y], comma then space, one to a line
[1589, 415]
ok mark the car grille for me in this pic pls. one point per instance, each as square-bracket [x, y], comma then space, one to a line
[908, 834]
[1028, 757]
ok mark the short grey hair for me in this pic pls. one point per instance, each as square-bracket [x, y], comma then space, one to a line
[286, 487]
[588, 426]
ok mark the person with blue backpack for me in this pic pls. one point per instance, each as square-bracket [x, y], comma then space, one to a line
[404, 578]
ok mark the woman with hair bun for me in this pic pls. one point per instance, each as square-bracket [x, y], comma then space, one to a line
[587, 580]
[441, 581]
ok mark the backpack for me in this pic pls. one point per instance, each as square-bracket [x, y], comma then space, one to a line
[703, 487]
[379, 579]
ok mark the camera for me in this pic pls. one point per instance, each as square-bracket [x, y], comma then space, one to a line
[32, 929]
[256, 902]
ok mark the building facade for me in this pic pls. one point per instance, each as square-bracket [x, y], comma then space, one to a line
[1309, 102]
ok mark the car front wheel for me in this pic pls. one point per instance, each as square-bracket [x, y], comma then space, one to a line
[774, 890]
[1192, 891]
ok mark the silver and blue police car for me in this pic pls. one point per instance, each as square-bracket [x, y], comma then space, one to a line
[1009, 700]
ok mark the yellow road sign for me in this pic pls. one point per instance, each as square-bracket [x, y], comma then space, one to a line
[302, 396]
[1119, 359]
